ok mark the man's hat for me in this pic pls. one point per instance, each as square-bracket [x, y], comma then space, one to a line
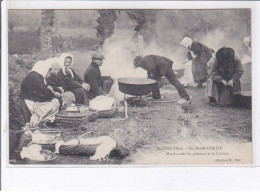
[97, 56]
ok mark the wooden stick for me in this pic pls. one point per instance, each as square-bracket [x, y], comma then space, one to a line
[83, 136]
[165, 101]
[30, 129]
[126, 110]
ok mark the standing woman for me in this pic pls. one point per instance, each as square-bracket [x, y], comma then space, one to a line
[71, 81]
[200, 55]
[40, 98]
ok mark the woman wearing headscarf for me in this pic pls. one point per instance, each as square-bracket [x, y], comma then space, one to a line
[200, 56]
[71, 81]
[53, 80]
[225, 75]
[40, 98]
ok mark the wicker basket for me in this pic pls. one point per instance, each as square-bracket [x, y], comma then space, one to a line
[107, 113]
[70, 116]
[74, 117]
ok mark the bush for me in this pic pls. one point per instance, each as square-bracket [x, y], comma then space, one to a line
[84, 43]
[23, 42]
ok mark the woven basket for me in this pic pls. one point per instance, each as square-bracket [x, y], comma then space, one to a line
[107, 113]
[74, 117]
[70, 116]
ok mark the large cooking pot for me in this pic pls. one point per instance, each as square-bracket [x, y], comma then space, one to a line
[136, 86]
[243, 99]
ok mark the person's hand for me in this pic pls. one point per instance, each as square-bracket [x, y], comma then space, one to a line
[51, 89]
[224, 82]
[57, 94]
[86, 86]
[231, 83]
[62, 90]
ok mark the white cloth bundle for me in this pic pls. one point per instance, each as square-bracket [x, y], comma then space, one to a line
[41, 138]
[32, 152]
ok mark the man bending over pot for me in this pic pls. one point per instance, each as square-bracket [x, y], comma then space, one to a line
[157, 67]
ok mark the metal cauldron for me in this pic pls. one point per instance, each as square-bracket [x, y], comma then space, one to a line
[136, 86]
[243, 99]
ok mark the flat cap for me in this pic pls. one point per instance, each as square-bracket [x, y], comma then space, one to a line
[97, 56]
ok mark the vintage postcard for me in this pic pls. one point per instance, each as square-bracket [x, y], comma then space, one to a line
[127, 86]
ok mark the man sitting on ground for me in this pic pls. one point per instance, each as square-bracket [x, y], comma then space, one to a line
[99, 85]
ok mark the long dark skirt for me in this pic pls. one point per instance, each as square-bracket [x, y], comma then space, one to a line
[81, 96]
[199, 69]
[19, 115]
[222, 94]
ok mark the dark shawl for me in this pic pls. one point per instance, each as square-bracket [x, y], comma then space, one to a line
[70, 83]
[55, 82]
[33, 88]
[199, 64]
[226, 66]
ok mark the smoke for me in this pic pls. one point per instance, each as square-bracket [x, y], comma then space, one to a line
[164, 39]
[118, 57]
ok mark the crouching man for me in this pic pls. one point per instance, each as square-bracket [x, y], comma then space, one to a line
[99, 85]
[224, 80]
[157, 67]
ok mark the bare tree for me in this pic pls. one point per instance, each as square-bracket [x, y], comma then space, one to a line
[47, 24]
[106, 24]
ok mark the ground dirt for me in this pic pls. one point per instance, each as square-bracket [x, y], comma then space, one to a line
[165, 124]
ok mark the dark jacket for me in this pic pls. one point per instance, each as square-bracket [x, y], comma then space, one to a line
[92, 76]
[156, 66]
[199, 63]
[70, 83]
[55, 82]
[19, 114]
[199, 49]
[226, 66]
[33, 88]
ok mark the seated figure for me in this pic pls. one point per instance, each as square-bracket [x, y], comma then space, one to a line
[71, 81]
[224, 75]
[99, 85]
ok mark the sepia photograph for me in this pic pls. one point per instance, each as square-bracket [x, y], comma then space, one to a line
[129, 87]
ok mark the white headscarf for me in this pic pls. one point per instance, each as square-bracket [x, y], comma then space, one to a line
[54, 60]
[62, 60]
[42, 67]
[186, 42]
